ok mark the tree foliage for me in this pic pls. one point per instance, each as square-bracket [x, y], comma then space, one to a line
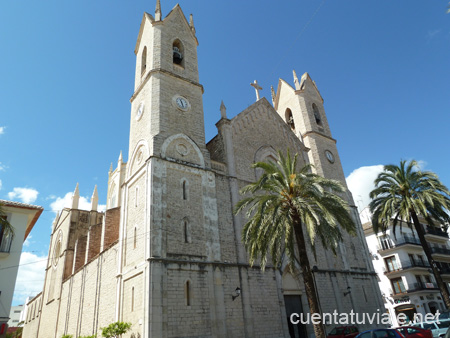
[115, 329]
[283, 192]
[404, 193]
[5, 226]
[401, 190]
[282, 206]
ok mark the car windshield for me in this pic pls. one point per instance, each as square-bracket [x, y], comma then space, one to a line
[444, 315]
[443, 324]
[337, 330]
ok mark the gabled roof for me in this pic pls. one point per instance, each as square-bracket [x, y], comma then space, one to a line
[178, 8]
[263, 102]
[149, 17]
[38, 211]
[304, 81]
[280, 83]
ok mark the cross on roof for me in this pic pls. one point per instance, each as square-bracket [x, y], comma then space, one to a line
[257, 88]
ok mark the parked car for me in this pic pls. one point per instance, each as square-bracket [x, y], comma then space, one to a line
[444, 315]
[343, 332]
[447, 335]
[438, 328]
[380, 333]
[414, 332]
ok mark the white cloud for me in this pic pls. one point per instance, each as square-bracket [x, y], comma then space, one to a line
[27, 241]
[433, 33]
[30, 277]
[360, 183]
[2, 130]
[0, 184]
[66, 202]
[2, 167]
[26, 195]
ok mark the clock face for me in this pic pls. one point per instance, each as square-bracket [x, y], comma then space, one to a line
[329, 155]
[140, 111]
[182, 103]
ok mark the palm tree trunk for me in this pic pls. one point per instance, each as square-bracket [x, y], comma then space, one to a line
[310, 289]
[426, 248]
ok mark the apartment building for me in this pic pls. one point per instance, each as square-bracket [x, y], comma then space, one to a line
[405, 278]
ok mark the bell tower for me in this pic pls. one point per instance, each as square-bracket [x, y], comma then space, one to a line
[302, 108]
[167, 97]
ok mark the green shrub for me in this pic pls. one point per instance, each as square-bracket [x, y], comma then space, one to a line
[67, 336]
[115, 329]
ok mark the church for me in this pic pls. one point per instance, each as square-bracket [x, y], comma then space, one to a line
[166, 255]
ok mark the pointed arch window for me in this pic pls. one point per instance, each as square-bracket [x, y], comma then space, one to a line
[144, 60]
[289, 118]
[178, 53]
[317, 114]
[135, 238]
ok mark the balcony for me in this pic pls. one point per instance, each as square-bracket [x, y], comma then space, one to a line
[435, 232]
[407, 266]
[400, 241]
[415, 287]
[440, 251]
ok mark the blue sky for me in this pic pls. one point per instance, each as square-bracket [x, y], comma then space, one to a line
[67, 74]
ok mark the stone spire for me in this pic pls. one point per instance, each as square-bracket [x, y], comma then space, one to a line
[120, 160]
[296, 82]
[94, 199]
[75, 198]
[191, 23]
[158, 11]
[110, 169]
[272, 91]
[223, 111]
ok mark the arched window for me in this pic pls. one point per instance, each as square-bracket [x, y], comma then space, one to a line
[187, 290]
[178, 53]
[144, 60]
[289, 118]
[135, 238]
[316, 114]
[132, 299]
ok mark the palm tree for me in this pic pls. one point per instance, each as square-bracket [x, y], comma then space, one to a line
[286, 205]
[404, 193]
[6, 228]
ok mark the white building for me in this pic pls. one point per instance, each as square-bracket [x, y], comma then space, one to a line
[22, 217]
[15, 315]
[405, 278]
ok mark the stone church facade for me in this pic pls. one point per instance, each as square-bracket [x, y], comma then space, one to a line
[167, 255]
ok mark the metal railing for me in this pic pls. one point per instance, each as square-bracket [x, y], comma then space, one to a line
[435, 231]
[407, 265]
[416, 287]
[386, 245]
[442, 251]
